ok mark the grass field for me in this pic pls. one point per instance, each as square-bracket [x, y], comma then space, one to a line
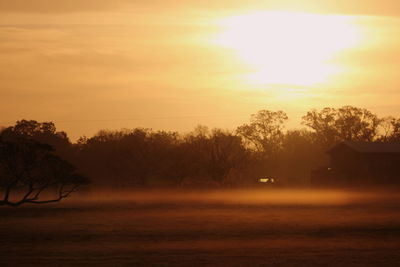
[214, 228]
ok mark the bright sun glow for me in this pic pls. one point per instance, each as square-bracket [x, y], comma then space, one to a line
[289, 48]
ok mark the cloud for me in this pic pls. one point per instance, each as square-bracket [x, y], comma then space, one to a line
[59, 6]
[361, 7]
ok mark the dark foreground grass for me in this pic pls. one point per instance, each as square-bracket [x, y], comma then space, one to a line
[205, 229]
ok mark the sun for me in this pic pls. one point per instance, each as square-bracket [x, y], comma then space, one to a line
[288, 47]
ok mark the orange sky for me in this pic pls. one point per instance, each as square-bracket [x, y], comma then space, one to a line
[92, 64]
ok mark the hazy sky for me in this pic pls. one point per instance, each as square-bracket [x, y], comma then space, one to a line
[93, 64]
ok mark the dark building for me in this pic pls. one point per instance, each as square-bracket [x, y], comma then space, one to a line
[360, 163]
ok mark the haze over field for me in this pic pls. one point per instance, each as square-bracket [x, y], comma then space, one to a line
[232, 228]
[88, 65]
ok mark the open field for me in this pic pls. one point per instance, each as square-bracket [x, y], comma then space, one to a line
[218, 228]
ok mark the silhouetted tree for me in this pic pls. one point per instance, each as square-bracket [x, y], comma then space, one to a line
[265, 131]
[134, 157]
[344, 124]
[226, 152]
[29, 168]
[390, 129]
[213, 155]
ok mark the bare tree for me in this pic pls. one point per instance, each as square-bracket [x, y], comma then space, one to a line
[390, 129]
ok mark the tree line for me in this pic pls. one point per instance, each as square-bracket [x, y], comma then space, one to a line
[141, 157]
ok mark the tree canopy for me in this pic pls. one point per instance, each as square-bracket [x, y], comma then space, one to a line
[347, 123]
[265, 130]
[142, 157]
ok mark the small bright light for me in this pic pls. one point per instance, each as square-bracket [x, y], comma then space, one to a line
[288, 47]
[266, 180]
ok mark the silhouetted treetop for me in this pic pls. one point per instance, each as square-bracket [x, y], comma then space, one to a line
[43, 132]
[390, 129]
[265, 130]
[349, 123]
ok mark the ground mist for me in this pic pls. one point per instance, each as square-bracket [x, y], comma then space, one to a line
[205, 227]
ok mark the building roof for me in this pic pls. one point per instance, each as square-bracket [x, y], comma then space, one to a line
[370, 147]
